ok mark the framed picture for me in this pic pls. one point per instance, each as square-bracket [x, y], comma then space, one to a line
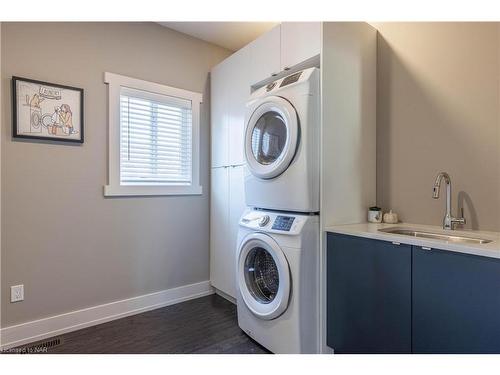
[48, 111]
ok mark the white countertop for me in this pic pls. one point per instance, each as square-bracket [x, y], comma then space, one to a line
[369, 230]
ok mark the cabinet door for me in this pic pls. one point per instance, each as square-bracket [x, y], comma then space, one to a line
[236, 208]
[368, 295]
[227, 205]
[265, 55]
[238, 94]
[456, 303]
[299, 42]
[219, 114]
[220, 253]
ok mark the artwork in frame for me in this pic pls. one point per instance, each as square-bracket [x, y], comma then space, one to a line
[47, 111]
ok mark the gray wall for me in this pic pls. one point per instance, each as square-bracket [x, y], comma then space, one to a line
[438, 109]
[71, 247]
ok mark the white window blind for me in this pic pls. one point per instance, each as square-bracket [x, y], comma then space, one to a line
[155, 139]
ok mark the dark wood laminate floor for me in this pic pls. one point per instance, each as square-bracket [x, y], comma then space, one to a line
[203, 325]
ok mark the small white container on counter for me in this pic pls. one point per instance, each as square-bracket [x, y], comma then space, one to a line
[391, 217]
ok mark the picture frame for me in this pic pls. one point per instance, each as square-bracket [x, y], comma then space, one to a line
[47, 111]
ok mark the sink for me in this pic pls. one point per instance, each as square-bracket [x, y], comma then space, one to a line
[435, 236]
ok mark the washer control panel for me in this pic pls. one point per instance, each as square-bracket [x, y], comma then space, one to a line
[273, 222]
[283, 223]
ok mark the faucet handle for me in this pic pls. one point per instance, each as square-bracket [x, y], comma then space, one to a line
[459, 220]
[462, 217]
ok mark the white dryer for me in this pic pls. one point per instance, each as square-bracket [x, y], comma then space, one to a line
[282, 144]
[278, 280]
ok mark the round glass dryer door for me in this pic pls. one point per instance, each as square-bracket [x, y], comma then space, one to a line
[263, 276]
[271, 137]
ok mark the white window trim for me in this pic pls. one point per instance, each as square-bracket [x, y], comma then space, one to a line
[113, 188]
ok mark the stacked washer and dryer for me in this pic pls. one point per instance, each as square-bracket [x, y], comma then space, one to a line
[278, 241]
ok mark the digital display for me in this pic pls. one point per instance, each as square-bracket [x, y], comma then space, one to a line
[291, 79]
[283, 223]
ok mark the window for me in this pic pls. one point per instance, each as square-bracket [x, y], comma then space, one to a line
[153, 138]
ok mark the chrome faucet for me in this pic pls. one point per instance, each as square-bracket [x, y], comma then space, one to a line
[449, 221]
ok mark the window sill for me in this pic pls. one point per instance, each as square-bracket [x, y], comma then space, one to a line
[137, 191]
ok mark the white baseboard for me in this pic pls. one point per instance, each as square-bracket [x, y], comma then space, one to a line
[225, 296]
[35, 330]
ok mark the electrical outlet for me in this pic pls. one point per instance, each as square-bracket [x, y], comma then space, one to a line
[16, 293]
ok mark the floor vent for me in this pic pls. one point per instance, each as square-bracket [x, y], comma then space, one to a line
[41, 347]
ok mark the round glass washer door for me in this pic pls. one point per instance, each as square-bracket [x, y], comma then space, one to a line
[271, 137]
[263, 276]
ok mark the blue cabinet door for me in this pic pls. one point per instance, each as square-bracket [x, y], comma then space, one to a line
[368, 295]
[456, 302]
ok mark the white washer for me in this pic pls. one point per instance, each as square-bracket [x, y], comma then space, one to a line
[278, 280]
[282, 144]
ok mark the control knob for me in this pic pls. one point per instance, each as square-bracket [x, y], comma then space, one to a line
[264, 220]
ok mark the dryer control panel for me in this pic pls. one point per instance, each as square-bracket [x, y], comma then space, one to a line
[291, 79]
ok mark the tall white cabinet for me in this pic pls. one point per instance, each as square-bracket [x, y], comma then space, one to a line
[230, 89]
[269, 56]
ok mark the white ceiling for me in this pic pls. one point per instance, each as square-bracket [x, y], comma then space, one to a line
[230, 35]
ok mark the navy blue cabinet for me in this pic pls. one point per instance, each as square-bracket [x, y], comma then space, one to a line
[368, 295]
[387, 298]
[456, 303]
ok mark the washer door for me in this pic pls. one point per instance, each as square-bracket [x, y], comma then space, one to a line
[263, 276]
[271, 137]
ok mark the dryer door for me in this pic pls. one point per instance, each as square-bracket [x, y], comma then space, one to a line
[271, 137]
[263, 276]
